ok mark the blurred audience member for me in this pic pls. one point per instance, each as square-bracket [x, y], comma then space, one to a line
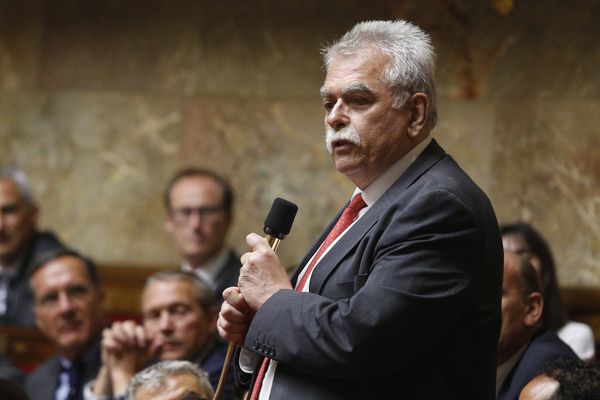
[199, 206]
[68, 309]
[170, 380]
[523, 349]
[20, 243]
[565, 379]
[521, 238]
[180, 315]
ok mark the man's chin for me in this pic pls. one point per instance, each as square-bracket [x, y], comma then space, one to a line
[171, 355]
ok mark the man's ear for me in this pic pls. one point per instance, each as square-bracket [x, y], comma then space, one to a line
[419, 107]
[534, 306]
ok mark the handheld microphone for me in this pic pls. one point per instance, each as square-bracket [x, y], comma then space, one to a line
[277, 225]
[279, 221]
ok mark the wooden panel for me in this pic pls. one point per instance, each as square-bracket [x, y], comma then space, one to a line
[123, 285]
[25, 347]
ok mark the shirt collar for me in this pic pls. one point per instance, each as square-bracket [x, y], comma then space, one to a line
[210, 268]
[507, 366]
[377, 188]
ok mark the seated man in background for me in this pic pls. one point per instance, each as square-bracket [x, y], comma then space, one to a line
[180, 316]
[170, 380]
[565, 379]
[523, 350]
[199, 206]
[20, 243]
[68, 309]
[522, 238]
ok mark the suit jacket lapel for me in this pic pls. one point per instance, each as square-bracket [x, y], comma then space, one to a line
[429, 157]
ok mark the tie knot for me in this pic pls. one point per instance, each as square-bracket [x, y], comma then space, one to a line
[357, 203]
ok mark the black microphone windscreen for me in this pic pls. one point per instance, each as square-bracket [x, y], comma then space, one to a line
[280, 219]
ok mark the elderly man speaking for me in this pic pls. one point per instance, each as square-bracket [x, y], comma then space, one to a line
[401, 294]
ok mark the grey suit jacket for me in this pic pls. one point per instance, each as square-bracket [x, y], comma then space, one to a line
[406, 304]
[41, 384]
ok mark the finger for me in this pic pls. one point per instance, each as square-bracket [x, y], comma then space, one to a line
[232, 332]
[257, 242]
[233, 314]
[140, 335]
[233, 297]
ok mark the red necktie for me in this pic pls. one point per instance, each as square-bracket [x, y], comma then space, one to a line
[346, 219]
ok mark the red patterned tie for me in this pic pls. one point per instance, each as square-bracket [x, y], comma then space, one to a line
[346, 219]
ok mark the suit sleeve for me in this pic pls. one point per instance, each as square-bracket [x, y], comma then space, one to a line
[420, 257]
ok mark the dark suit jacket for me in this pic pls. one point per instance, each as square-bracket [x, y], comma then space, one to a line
[42, 383]
[19, 300]
[228, 275]
[543, 349]
[212, 364]
[406, 304]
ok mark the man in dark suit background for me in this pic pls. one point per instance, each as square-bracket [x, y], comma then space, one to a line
[20, 244]
[68, 309]
[406, 300]
[199, 206]
[523, 350]
[179, 323]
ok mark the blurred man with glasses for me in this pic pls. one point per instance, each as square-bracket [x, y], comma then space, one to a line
[199, 206]
[68, 309]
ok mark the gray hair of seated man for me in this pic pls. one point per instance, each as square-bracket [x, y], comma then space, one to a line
[20, 179]
[155, 376]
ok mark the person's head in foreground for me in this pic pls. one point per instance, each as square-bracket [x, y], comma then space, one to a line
[565, 379]
[170, 380]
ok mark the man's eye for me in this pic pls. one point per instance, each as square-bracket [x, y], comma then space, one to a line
[49, 299]
[327, 105]
[179, 310]
[359, 101]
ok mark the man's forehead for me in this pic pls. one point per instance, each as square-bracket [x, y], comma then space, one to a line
[162, 294]
[9, 191]
[61, 271]
[194, 188]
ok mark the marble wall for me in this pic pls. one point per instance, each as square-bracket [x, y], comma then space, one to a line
[101, 101]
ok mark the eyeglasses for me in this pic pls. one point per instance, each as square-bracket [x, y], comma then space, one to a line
[183, 214]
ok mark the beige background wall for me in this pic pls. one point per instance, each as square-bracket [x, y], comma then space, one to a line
[100, 101]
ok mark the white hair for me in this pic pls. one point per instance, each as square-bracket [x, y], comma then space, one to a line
[155, 375]
[19, 178]
[412, 58]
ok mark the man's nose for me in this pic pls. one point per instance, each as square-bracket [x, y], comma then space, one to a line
[166, 322]
[195, 218]
[64, 302]
[337, 117]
